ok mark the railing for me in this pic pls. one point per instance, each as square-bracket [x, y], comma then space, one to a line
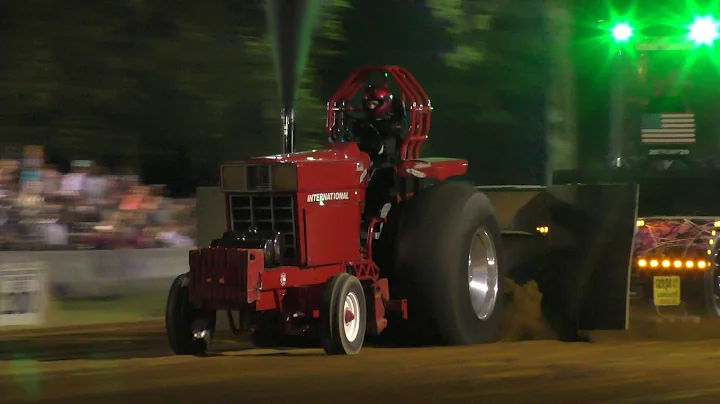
[38, 288]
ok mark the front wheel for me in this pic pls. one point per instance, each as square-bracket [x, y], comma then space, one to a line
[189, 329]
[344, 315]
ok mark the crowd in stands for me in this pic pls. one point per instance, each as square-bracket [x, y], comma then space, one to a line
[43, 209]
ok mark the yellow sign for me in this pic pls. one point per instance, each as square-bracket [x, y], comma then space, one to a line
[666, 290]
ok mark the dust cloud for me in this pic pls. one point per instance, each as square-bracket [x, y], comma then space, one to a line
[523, 318]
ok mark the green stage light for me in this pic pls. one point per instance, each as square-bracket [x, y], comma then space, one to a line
[704, 30]
[622, 32]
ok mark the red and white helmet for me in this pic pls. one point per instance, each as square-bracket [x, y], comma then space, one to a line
[377, 102]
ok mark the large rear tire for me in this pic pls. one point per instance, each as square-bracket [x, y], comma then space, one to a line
[711, 283]
[183, 320]
[448, 257]
[344, 315]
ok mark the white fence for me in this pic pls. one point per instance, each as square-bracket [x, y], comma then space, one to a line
[29, 280]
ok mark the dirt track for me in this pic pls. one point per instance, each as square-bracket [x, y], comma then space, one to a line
[133, 364]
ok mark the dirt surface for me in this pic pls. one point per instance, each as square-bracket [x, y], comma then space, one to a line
[132, 363]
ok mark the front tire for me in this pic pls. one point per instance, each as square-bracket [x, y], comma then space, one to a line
[182, 320]
[448, 255]
[344, 315]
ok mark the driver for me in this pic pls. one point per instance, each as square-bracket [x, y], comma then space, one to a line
[380, 135]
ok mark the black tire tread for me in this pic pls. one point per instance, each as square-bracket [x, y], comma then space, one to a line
[428, 246]
[178, 320]
[333, 340]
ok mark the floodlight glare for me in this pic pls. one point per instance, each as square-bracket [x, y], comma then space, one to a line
[622, 32]
[704, 30]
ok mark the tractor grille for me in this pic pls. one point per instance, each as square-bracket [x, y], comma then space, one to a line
[218, 274]
[266, 213]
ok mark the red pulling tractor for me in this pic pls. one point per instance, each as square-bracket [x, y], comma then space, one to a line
[292, 259]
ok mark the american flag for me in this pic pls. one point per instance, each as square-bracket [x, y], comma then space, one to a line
[668, 129]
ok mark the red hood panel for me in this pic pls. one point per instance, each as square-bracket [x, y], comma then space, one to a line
[334, 168]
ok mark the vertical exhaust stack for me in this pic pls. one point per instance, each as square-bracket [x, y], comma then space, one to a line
[290, 23]
[287, 116]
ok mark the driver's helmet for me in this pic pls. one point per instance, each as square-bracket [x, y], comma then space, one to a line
[377, 102]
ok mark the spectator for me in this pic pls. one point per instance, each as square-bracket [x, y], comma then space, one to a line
[134, 199]
[73, 182]
[54, 232]
[51, 179]
[170, 236]
[43, 209]
[95, 185]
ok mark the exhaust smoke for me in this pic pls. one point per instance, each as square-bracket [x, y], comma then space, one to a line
[290, 23]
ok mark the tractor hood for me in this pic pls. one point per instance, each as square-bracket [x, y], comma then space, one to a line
[331, 152]
[337, 167]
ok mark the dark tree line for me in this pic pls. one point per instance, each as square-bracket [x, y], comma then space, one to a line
[171, 89]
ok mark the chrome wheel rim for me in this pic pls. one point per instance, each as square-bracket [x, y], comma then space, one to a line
[351, 317]
[482, 274]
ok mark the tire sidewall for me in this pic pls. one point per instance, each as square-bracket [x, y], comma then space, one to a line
[177, 316]
[432, 246]
[344, 287]
[335, 290]
[710, 278]
[479, 213]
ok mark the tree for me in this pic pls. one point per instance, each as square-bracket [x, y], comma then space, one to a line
[498, 39]
[468, 22]
[487, 42]
[148, 84]
[326, 45]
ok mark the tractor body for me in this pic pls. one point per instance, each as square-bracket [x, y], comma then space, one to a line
[291, 222]
[284, 245]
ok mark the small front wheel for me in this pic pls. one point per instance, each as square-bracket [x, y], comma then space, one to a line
[189, 329]
[344, 315]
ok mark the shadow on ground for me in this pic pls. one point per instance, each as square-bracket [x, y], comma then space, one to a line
[129, 341]
[522, 321]
[90, 346]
